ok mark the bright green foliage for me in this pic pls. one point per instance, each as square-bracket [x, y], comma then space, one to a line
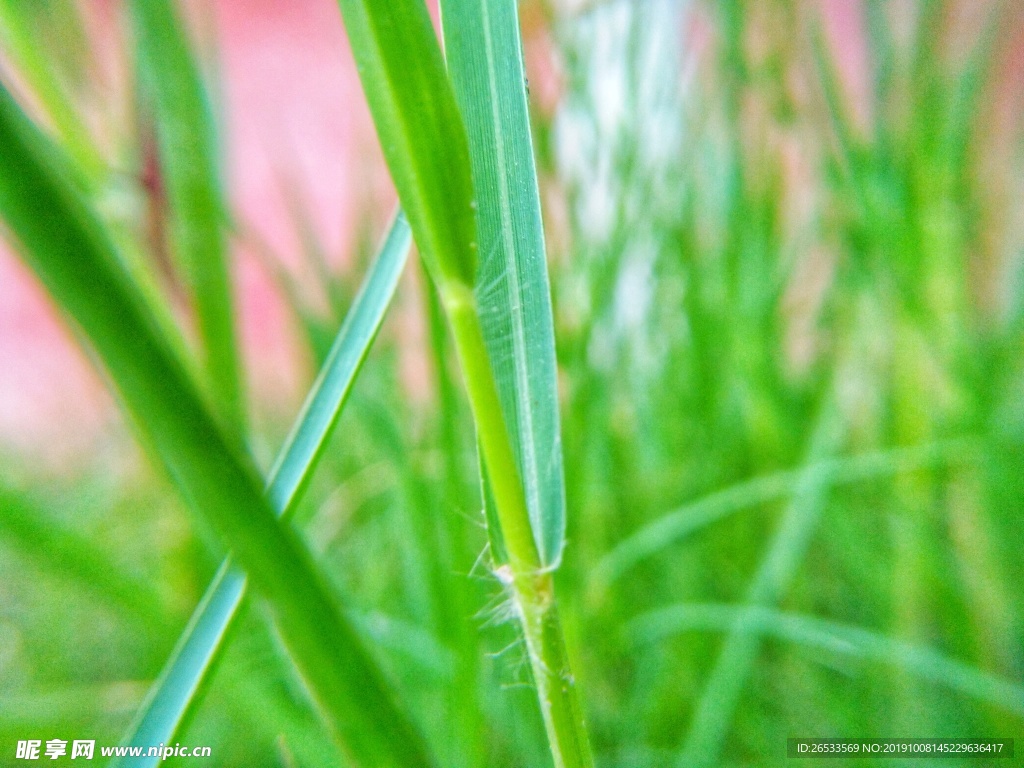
[774, 575]
[484, 55]
[175, 692]
[414, 108]
[783, 244]
[308, 439]
[745, 231]
[807, 632]
[691, 518]
[420, 130]
[179, 685]
[24, 522]
[48, 44]
[66, 247]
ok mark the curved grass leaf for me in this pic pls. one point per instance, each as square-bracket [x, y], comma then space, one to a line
[420, 130]
[188, 165]
[690, 518]
[174, 692]
[835, 638]
[74, 558]
[63, 243]
[485, 61]
[775, 571]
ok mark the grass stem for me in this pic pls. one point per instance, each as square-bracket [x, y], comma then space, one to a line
[532, 586]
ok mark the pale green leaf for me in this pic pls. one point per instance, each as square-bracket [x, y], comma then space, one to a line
[174, 692]
[485, 60]
[832, 637]
[693, 517]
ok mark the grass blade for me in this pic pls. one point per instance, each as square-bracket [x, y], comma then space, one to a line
[484, 54]
[693, 517]
[174, 693]
[714, 710]
[73, 557]
[188, 163]
[425, 145]
[420, 130]
[305, 444]
[176, 689]
[485, 60]
[833, 637]
[63, 243]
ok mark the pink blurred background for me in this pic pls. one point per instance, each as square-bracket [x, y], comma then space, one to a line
[293, 114]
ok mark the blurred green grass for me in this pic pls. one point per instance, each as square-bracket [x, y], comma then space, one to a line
[756, 269]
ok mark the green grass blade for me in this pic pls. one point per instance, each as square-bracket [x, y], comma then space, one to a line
[420, 130]
[495, 542]
[425, 145]
[485, 61]
[305, 444]
[189, 165]
[63, 243]
[73, 557]
[835, 638]
[175, 690]
[693, 517]
[22, 25]
[714, 711]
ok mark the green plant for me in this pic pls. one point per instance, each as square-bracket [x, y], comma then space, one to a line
[772, 470]
[425, 144]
